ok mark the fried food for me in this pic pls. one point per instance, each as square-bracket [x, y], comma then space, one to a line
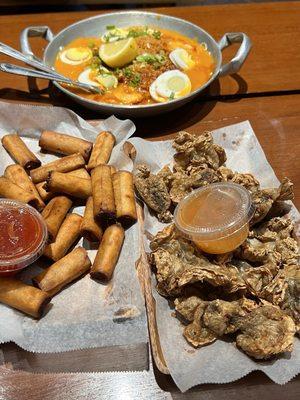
[186, 307]
[178, 264]
[10, 190]
[198, 162]
[102, 150]
[272, 243]
[221, 317]
[108, 253]
[19, 177]
[54, 213]
[64, 144]
[266, 332]
[196, 333]
[258, 277]
[265, 199]
[64, 164]
[59, 182]
[284, 291]
[252, 293]
[124, 198]
[18, 150]
[89, 227]
[198, 150]
[103, 195]
[63, 271]
[22, 297]
[154, 192]
[67, 235]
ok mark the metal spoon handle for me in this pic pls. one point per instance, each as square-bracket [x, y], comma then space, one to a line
[11, 52]
[17, 70]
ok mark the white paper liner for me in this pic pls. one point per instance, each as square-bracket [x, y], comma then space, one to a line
[221, 361]
[85, 314]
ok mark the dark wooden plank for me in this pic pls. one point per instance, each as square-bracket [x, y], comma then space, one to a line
[136, 386]
[113, 358]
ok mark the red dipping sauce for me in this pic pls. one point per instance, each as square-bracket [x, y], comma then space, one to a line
[23, 236]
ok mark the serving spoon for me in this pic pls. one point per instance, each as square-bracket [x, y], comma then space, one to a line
[17, 70]
[53, 75]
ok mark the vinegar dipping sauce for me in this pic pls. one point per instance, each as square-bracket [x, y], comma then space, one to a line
[216, 217]
[23, 235]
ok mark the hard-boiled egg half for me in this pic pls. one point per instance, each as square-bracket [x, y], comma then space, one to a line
[76, 55]
[103, 78]
[170, 85]
[181, 59]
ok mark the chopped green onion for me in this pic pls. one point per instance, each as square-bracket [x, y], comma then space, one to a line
[128, 72]
[156, 35]
[151, 58]
[91, 44]
[110, 27]
[172, 96]
[136, 80]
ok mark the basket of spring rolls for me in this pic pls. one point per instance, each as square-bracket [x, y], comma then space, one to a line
[82, 176]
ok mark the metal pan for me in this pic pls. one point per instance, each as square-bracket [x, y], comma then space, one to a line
[96, 26]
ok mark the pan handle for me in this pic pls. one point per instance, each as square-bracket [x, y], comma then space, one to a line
[235, 64]
[34, 31]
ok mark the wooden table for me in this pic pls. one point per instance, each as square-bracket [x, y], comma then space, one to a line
[266, 92]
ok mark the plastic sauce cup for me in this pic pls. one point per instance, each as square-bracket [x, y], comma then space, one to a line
[23, 236]
[216, 217]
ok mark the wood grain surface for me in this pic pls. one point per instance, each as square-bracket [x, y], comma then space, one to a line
[266, 92]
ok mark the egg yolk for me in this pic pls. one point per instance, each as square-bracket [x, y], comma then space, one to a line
[178, 85]
[78, 54]
[187, 59]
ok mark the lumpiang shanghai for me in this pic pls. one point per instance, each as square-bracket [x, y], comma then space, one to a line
[148, 222]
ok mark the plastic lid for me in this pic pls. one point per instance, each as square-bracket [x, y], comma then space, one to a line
[23, 235]
[214, 211]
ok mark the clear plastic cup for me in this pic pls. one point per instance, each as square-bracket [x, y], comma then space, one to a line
[216, 217]
[23, 236]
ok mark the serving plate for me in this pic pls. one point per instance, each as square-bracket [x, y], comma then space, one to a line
[96, 26]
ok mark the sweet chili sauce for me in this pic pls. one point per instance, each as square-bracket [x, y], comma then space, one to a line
[23, 236]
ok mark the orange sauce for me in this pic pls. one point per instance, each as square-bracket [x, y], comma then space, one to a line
[225, 244]
[21, 235]
[199, 74]
[211, 211]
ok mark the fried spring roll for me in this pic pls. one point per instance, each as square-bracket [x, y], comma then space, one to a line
[10, 190]
[18, 150]
[113, 169]
[58, 182]
[65, 144]
[64, 271]
[64, 164]
[25, 298]
[124, 198]
[68, 233]
[89, 228]
[54, 213]
[46, 196]
[103, 195]
[80, 173]
[17, 174]
[102, 149]
[108, 253]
